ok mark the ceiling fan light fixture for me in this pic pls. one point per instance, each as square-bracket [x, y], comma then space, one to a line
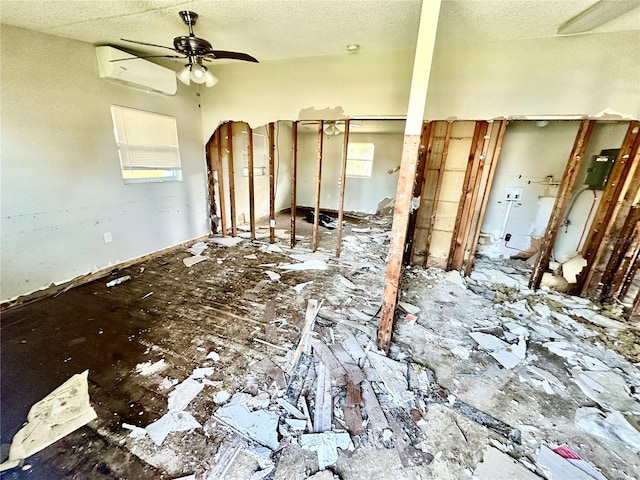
[332, 130]
[197, 73]
[184, 75]
[209, 78]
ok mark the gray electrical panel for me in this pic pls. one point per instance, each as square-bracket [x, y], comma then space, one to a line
[600, 168]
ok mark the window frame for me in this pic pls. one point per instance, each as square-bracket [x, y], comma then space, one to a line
[354, 158]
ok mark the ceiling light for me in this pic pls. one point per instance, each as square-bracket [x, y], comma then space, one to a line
[196, 73]
[352, 47]
[598, 14]
[184, 75]
[209, 78]
[332, 130]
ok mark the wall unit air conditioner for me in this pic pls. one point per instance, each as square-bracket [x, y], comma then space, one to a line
[138, 73]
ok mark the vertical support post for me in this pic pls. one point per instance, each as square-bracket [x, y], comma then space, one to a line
[223, 209]
[343, 180]
[252, 207]
[561, 203]
[294, 180]
[272, 183]
[213, 208]
[436, 195]
[495, 155]
[634, 316]
[316, 217]
[630, 276]
[413, 125]
[624, 252]
[232, 180]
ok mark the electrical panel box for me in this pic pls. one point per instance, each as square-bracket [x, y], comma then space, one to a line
[600, 168]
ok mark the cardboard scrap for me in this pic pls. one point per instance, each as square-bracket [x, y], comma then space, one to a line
[61, 412]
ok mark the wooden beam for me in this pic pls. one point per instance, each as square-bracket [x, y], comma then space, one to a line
[213, 208]
[622, 258]
[426, 142]
[252, 207]
[436, 195]
[343, 182]
[294, 179]
[634, 315]
[221, 196]
[630, 276]
[495, 155]
[465, 207]
[272, 183]
[413, 125]
[561, 203]
[316, 217]
[607, 213]
[232, 180]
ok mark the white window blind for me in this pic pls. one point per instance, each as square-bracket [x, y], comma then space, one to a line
[146, 141]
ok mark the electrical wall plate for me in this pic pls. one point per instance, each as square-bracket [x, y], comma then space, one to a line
[513, 194]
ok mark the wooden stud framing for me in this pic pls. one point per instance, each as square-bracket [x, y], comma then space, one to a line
[436, 196]
[272, 183]
[634, 315]
[630, 276]
[252, 208]
[213, 208]
[622, 258]
[343, 182]
[294, 178]
[232, 180]
[561, 203]
[607, 213]
[316, 217]
[426, 141]
[495, 155]
[221, 195]
[465, 207]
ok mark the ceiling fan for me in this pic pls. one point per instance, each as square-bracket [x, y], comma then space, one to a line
[196, 50]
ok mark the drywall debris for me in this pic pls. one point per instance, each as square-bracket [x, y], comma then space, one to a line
[291, 409]
[182, 395]
[573, 458]
[253, 256]
[556, 467]
[612, 426]
[453, 276]
[201, 372]
[326, 445]
[296, 424]
[273, 276]
[607, 388]
[407, 307]
[169, 423]
[213, 356]
[136, 432]
[259, 425]
[346, 282]
[197, 248]
[299, 287]
[191, 261]
[61, 412]
[559, 348]
[149, 368]
[572, 268]
[544, 375]
[118, 281]
[226, 241]
[496, 465]
[506, 354]
[393, 376]
[315, 264]
[221, 397]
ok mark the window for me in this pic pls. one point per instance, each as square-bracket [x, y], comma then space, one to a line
[148, 145]
[360, 159]
[259, 154]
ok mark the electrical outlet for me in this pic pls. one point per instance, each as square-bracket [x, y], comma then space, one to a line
[107, 237]
[513, 194]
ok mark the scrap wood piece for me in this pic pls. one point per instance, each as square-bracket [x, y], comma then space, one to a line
[376, 416]
[353, 419]
[338, 373]
[297, 379]
[351, 345]
[273, 371]
[332, 316]
[354, 396]
[324, 401]
[58, 414]
[410, 455]
[354, 374]
[313, 307]
[225, 456]
[291, 409]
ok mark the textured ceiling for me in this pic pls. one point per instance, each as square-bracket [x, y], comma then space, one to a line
[277, 29]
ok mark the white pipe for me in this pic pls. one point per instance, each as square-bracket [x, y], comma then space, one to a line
[505, 220]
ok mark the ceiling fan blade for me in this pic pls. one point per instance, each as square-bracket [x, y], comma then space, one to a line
[231, 55]
[147, 56]
[149, 44]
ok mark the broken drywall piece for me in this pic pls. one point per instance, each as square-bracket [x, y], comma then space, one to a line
[291, 409]
[299, 287]
[346, 282]
[407, 307]
[61, 412]
[461, 352]
[326, 445]
[149, 368]
[273, 276]
[213, 356]
[393, 376]
[221, 397]
[169, 423]
[611, 114]
[315, 264]
[197, 248]
[191, 261]
[182, 395]
[259, 425]
[296, 424]
[201, 372]
[559, 348]
[136, 432]
[544, 375]
[556, 467]
[226, 241]
[573, 458]
[572, 268]
[253, 256]
[454, 276]
[607, 388]
[506, 354]
[496, 465]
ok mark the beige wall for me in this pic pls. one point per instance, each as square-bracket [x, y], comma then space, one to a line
[61, 181]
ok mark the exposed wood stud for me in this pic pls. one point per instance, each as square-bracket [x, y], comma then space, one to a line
[630, 275]
[606, 212]
[426, 141]
[561, 203]
[272, 183]
[622, 258]
[252, 207]
[316, 217]
[634, 315]
[465, 207]
[221, 195]
[213, 208]
[294, 179]
[232, 180]
[436, 195]
[343, 181]
[495, 155]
